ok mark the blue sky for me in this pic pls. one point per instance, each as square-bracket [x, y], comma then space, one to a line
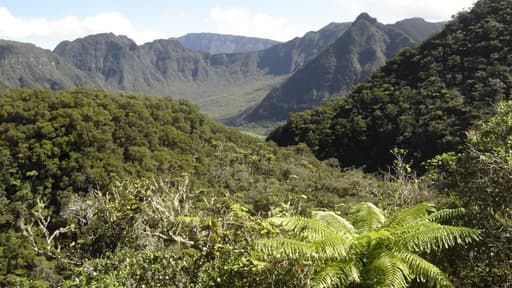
[46, 23]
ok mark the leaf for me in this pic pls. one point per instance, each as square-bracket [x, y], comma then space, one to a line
[409, 215]
[365, 216]
[336, 274]
[334, 221]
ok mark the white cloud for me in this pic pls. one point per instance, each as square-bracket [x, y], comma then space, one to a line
[241, 21]
[392, 10]
[48, 33]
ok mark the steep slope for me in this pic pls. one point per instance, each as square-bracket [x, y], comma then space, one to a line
[25, 65]
[111, 57]
[417, 28]
[363, 48]
[125, 66]
[223, 85]
[288, 57]
[423, 100]
[222, 44]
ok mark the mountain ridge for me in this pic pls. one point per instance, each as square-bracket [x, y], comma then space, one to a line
[423, 100]
[336, 70]
[223, 85]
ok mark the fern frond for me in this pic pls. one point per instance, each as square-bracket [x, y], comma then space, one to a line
[304, 228]
[390, 271]
[409, 215]
[427, 236]
[282, 248]
[336, 274]
[334, 221]
[424, 271]
[332, 248]
[445, 214]
[366, 217]
[381, 252]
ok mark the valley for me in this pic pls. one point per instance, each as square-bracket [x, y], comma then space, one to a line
[225, 86]
[388, 160]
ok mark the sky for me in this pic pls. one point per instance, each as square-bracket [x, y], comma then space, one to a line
[46, 23]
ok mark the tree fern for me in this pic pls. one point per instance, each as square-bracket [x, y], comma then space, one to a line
[336, 273]
[369, 250]
[365, 216]
[410, 215]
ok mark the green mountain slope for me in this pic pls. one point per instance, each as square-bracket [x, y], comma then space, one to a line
[417, 28]
[72, 141]
[288, 57]
[25, 65]
[67, 150]
[223, 85]
[221, 44]
[423, 100]
[363, 48]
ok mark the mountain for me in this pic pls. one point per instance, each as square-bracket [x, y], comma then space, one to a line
[422, 101]
[222, 44]
[417, 28]
[363, 48]
[25, 65]
[223, 85]
[125, 66]
[286, 58]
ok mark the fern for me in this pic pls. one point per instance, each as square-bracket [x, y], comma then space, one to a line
[410, 215]
[423, 270]
[369, 249]
[365, 216]
[390, 270]
[336, 222]
[336, 273]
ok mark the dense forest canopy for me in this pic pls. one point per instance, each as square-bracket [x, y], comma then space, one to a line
[116, 190]
[423, 100]
[56, 146]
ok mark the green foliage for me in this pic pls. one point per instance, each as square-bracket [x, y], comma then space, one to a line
[423, 100]
[59, 148]
[364, 47]
[481, 178]
[369, 249]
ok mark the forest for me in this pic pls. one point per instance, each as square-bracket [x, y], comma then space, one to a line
[403, 182]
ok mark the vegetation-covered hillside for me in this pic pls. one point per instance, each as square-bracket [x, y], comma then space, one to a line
[120, 190]
[423, 100]
[102, 190]
[61, 148]
[223, 85]
[25, 65]
[364, 47]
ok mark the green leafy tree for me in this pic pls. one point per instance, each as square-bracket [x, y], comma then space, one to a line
[369, 249]
[480, 177]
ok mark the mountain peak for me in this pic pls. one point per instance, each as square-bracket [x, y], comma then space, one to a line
[366, 17]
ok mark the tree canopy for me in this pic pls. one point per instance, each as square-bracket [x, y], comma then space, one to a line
[423, 100]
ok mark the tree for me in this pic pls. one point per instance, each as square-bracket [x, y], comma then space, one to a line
[368, 249]
[481, 177]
